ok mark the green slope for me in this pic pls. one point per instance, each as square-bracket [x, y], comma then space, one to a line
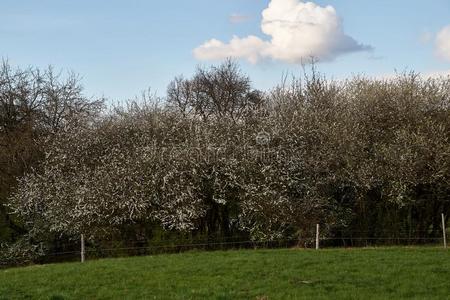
[384, 273]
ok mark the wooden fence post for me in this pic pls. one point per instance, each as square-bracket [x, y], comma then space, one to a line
[317, 236]
[82, 248]
[443, 231]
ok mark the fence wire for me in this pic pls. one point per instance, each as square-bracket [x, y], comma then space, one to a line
[105, 249]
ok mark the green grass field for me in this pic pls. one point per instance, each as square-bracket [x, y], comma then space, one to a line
[382, 273]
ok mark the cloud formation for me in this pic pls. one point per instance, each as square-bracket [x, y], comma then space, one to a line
[297, 30]
[238, 18]
[442, 43]
[425, 37]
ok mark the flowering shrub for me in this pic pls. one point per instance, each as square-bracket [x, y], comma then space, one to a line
[360, 154]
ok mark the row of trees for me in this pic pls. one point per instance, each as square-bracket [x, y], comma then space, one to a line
[217, 158]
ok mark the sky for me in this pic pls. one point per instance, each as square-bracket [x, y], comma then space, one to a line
[121, 48]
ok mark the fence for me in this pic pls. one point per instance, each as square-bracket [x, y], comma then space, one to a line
[83, 249]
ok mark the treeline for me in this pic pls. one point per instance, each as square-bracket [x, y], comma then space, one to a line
[218, 159]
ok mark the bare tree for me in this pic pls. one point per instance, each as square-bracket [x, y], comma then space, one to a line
[217, 92]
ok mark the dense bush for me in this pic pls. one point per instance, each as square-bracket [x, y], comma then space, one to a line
[361, 157]
[20, 252]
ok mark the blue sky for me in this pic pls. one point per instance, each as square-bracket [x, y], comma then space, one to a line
[123, 47]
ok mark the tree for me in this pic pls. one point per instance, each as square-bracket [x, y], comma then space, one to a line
[362, 157]
[34, 105]
[218, 92]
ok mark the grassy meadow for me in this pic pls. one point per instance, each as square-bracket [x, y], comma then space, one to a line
[371, 273]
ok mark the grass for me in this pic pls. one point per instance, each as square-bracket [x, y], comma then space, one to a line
[382, 273]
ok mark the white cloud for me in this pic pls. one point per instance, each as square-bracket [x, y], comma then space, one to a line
[250, 48]
[425, 37]
[298, 30]
[442, 43]
[238, 18]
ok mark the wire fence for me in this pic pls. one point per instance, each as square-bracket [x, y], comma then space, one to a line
[59, 250]
[120, 248]
[138, 244]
